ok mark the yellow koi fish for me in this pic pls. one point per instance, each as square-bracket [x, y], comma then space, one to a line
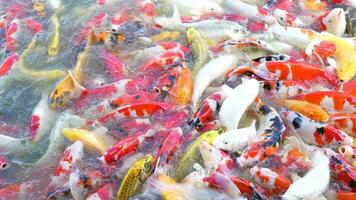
[69, 88]
[39, 8]
[135, 177]
[310, 110]
[53, 47]
[345, 55]
[200, 49]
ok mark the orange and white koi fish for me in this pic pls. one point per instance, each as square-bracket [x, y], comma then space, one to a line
[332, 101]
[181, 93]
[307, 109]
[348, 87]
[345, 122]
[271, 180]
[283, 89]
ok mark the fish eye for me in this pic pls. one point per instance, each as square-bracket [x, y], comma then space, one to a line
[342, 149]
[212, 9]
[281, 18]
[329, 21]
[353, 156]
[4, 165]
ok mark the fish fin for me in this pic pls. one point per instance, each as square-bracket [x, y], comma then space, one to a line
[78, 89]
[176, 16]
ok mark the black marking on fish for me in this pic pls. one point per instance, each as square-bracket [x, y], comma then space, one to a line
[278, 85]
[265, 109]
[297, 122]
[321, 130]
[267, 86]
[277, 129]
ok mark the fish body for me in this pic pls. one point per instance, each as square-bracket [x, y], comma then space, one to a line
[54, 44]
[345, 55]
[135, 178]
[236, 140]
[42, 119]
[94, 141]
[316, 133]
[332, 101]
[169, 146]
[181, 92]
[309, 110]
[234, 106]
[191, 155]
[69, 158]
[7, 63]
[252, 72]
[208, 73]
[199, 49]
[348, 87]
[214, 158]
[345, 122]
[314, 183]
[273, 181]
[283, 89]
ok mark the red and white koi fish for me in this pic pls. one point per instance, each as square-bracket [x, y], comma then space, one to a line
[6, 65]
[342, 171]
[167, 80]
[345, 122]
[320, 50]
[332, 101]
[169, 146]
[113, 65]
[349, 153]
[252, 72]
[10, 35]
[147, 7]
[271, 180]
[94, 23]
[314, 183]
[283, 89]
[255, 153]
[223, 182]
[42, 119]
[247, 188]
[140, 110]
[252, 12]
[124, 147]
[207, 110]
[333, 21]
[69, 158]
[167, 59]
[348, 87]
[314, 132]
[293, 70]
[215, 159]
[286, 18]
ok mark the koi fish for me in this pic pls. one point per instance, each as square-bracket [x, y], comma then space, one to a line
[39, 8]
[138, 173]
[345, 55]
[166, 59]
[216, 30]
[236, 140]
[7, 63]
[331, 101]
[113, 65]
[283, 89]
[122, 148]
[287, 19]
[199, 49]
[69, 88]
[234, 106]
[95, 141]
[246, 45]
[207, 110]
[320, 50]
[316, 133]
[94, 23]
[348, 152]
[348, 87]
[307, 109]
[251, 72]
[208, 73]
[69, 158]
[54, 44]
[345, 122]
[135, 110]
[314, 183]
[255, 153]
[292, 70]
[252, 12]
[334, 22]
[269, 179]
[42, 119]
[200, 7]
[215, 159]
[169, 146]
[4, 163]
[191, 155]
[181, 92]
[10, 35]
[223, 182]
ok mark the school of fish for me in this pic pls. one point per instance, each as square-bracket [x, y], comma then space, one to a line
[178, 99]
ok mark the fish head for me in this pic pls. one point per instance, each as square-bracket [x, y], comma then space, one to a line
[148, 165]
[211, 156]
[281, 17]
[4, 163]
[238, 32]
[335, 21]
[182, 91]
[191, 33]
[59, 98]
[348, 152]
[39, 8]
[222, 142]
[211, 7]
